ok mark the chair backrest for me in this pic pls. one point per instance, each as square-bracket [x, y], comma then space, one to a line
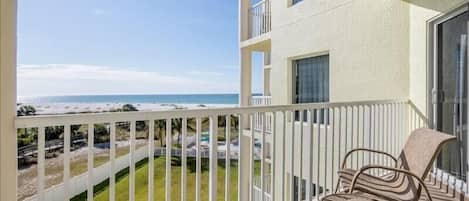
[421, 149]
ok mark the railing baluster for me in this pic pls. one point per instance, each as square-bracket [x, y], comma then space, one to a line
[151, 157]
[363, 134]
[90, 160]
[318, 149]
[346, 148]
[333, 167]
[66, 179]
[292, 157]
[357, 132]
[169, 142]
[284, 131]
[391, 131]
[375, 135]
[273, 171]
[355, 135]
[227, 157]
[300, 165]
[251, 157]
[41, 157]
[399, 127]
[132, 162]
[213, 161]
[396, 129]
[385, 133]
[198, 158]
[389, 142]
[262, 115]
[352, 122]
[309, 153]
[184, 160]
[326, 123]
[380, 135]
[339, 143]
[112, 159]
[370, 126]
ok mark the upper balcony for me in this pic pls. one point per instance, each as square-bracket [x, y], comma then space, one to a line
[256, 25]
[259, 19]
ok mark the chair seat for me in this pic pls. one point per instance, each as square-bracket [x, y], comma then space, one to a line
[351, 197]
[389, 186]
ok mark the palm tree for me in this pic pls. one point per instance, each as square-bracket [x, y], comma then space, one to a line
[160, 126]
[176, 126]
[26, 110]
[129, 108]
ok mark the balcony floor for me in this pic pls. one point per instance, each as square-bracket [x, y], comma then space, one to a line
[441, 192]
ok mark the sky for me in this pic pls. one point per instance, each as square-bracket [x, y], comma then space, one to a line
[94, 47]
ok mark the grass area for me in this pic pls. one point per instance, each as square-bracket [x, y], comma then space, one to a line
[141, 182]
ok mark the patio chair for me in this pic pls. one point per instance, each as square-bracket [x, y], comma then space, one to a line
[404, 181]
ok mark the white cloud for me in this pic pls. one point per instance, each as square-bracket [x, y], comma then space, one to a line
[76, 79]
[100, 12]
[204, 73]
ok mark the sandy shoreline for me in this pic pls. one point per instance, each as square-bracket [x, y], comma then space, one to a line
[64, 108]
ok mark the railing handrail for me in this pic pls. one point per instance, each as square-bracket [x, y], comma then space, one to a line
[259, 97]
[75, 119]
[418, 112]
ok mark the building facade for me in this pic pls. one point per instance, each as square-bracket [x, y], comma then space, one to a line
[362, 50]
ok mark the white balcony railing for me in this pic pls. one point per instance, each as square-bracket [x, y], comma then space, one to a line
[262, 101]
[260, 18]
[309, 147]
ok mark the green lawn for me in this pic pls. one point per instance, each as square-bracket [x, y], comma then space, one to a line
[141, 182]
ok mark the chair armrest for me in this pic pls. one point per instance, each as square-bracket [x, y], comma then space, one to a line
[365, 168]
[367, 150]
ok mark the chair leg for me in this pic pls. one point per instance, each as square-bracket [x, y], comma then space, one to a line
[337, 186]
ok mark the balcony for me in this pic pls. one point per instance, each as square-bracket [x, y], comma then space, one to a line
[250, 165]
[261, 101]
[260, 19]
[259, 118]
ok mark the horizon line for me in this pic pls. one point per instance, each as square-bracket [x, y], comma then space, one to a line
[162, 94]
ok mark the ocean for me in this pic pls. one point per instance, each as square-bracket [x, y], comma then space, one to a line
[173, 99]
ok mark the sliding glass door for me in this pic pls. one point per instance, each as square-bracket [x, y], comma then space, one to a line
[450, 90]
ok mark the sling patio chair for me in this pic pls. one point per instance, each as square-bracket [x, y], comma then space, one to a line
[403, 182]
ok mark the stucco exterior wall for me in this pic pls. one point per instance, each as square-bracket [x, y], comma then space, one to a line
[367, 41]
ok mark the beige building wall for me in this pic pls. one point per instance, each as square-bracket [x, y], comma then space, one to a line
[381, 44]
[367, 42]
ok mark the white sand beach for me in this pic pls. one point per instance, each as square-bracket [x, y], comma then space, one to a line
[69, 108]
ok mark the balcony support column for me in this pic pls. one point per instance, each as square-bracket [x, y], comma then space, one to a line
[8, 167]
[244, 100]
[243, 9]
[266, 82]
[245, 79]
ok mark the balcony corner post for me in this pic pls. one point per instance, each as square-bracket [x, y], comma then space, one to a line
[8, 167]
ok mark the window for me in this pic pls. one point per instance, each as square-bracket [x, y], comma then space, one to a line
[311, 81]
[293, 2]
